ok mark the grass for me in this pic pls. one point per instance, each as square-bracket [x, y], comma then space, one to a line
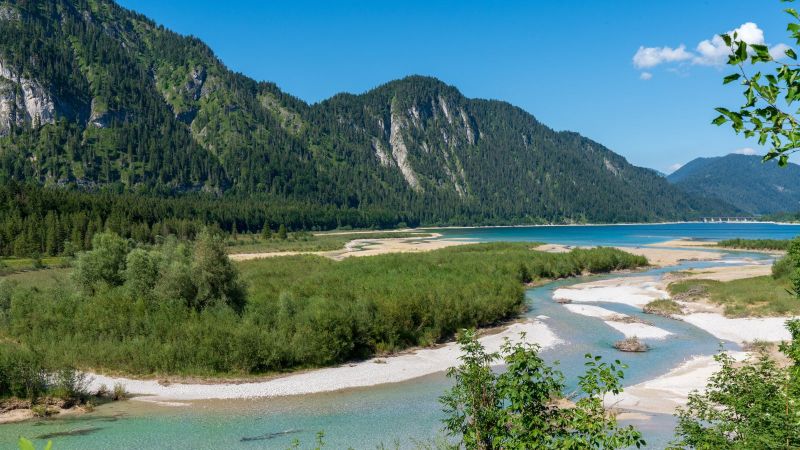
[306, 242]
[663, 307]
[756, 244]
[748, 297]
[40, 279]
[12, 265]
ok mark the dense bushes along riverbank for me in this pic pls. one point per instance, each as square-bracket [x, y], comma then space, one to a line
[175, 309]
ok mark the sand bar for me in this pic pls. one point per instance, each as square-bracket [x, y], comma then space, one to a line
[740, 330]
[367, 247]
[633, 291]
[616, 320]
[671, 390]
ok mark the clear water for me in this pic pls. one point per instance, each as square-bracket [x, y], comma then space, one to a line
[404, 412]
[625, 234]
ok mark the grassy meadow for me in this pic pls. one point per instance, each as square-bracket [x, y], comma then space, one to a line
[748, 297]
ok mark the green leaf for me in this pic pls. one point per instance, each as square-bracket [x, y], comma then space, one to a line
[792, 12]
[719, 120]
[25, 444]
[791, 54]
[732, 77]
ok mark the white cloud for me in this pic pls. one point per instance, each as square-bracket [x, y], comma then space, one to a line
[645, 75]
[714, 52]
[675, 167]
[652, 56]
[746, 151]
[709, 52]
[778, 51]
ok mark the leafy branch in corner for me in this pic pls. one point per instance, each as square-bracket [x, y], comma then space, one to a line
[767, 113]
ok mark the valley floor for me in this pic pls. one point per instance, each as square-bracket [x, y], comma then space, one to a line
[660, 395]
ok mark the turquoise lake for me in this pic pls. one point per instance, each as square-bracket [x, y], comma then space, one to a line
[408, 412]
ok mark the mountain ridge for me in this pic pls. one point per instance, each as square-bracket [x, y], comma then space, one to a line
[121, 102]
[744, 181]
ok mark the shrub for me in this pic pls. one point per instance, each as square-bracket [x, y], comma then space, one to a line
[41, 411]
[68, 383]
[119, 393]
[519, 408]
[782, 267]
[22, 372]
[102, 391]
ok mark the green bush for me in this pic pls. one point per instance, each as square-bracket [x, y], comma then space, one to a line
[518, 408]
[103, 265]
[782, 267]
[22, 372]
[300, 311]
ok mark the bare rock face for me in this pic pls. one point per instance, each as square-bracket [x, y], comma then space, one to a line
[99, 117]
[23, 101]
[400, 151]
[194, 87]
[8, 13]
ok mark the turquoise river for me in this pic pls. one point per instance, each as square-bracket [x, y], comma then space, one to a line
[403, 414]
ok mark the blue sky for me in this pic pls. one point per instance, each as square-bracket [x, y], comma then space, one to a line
[569, 63]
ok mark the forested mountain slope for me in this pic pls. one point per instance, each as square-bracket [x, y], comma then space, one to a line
[743, 181]
[96, 97]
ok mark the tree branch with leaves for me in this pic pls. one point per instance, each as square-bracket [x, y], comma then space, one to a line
[770, 93]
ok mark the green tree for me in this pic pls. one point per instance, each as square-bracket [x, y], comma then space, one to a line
[744, 406]
[519, 408]
[141, 271]
[104, 264]
[266, 233]
[756, 403]
[282, 233]
[769, 95]
[214, 275]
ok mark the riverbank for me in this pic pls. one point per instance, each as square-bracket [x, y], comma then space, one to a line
[639, 291]
[665, 393]
[408, 365]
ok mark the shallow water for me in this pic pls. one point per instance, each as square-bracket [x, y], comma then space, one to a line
[408, 411]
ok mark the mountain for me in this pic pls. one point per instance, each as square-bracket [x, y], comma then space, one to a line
[97, 97]
[743, 181]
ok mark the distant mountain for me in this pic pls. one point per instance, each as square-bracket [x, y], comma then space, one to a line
[95, 96]
[743, 181]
